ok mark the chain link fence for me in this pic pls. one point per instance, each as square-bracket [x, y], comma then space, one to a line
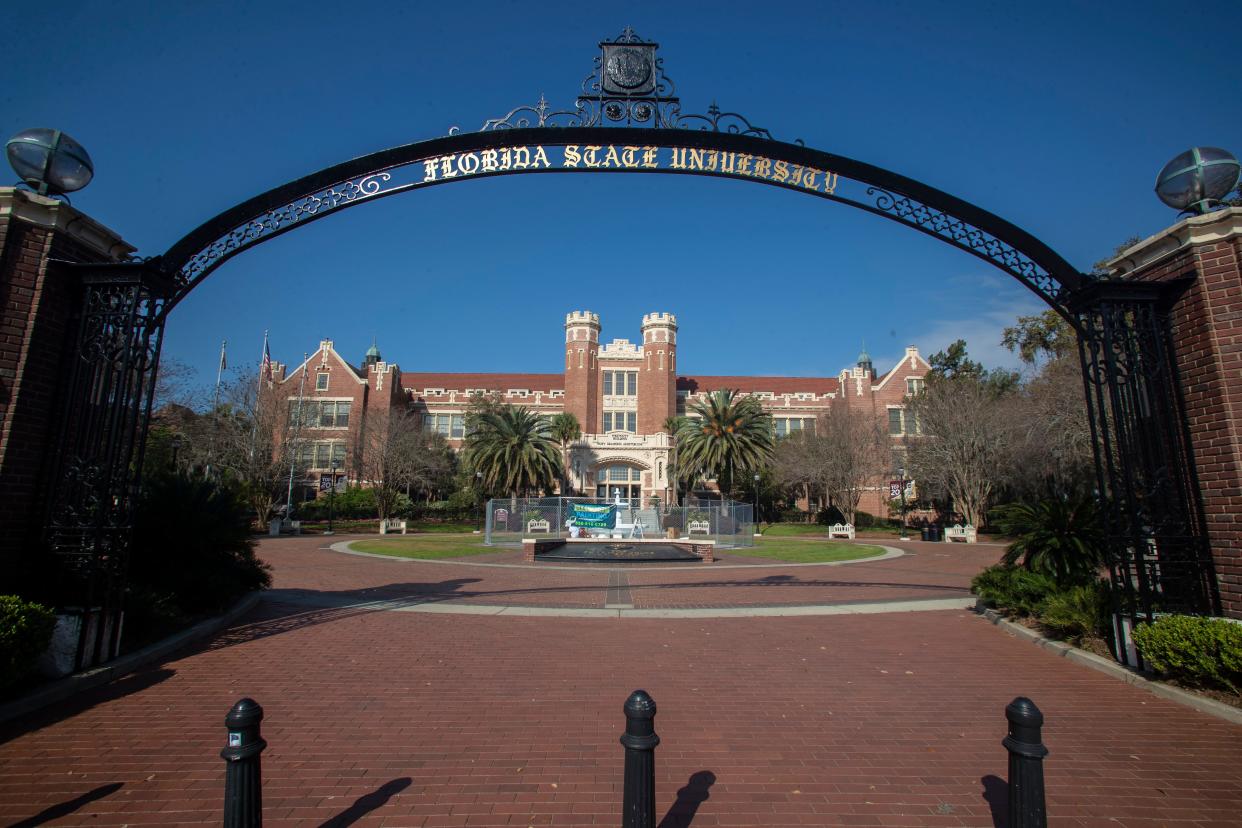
[727, 522]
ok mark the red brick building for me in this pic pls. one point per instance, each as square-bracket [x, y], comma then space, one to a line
[621, 392]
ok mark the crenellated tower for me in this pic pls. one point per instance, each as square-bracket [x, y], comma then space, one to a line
[582, 368]
[657, 380]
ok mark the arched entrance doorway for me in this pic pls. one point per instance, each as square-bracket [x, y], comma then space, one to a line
[628, 119]
[620, 479]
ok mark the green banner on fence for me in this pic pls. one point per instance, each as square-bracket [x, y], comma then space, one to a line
[593, 517]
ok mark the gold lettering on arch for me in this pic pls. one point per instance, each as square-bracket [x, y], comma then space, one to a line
[629, 157]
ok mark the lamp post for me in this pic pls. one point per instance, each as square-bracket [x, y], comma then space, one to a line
[901, 474]
[755, 516]
[331, 495]
[176, 446]
[478, 494]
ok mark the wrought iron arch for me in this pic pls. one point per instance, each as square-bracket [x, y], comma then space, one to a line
[833, 177]
[627, 118]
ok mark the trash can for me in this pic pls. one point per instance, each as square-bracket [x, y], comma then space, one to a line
[926, 532]
[935, 533]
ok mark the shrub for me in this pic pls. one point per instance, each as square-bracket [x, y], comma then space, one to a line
[192, 546]
[866, 520]
[792, 516]
[25, 631]
[1013, 589]
[829, 516]
[1199, 651]
[1058, 536]
[1078, 612]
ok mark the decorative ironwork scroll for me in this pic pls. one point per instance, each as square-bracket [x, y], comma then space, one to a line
[627, 87]
[107, 410]
[1160, 560]
[723, 154]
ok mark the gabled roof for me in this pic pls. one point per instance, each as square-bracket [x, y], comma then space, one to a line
[353, 372]
[751, 385]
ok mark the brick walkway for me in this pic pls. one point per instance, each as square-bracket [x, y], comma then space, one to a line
[928, 571]
[407, 719]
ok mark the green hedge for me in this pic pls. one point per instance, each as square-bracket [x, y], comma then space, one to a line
[1204, 652]
[1072, 613]
[1077, 612]
[1012, 588]
[192, 552]
[25, 631]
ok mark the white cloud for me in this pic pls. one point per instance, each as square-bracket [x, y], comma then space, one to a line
[981, 325]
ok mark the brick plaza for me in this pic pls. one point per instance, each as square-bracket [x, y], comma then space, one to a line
[403, 718]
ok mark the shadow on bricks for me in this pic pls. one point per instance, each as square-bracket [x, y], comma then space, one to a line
[689, 798]
[64, 809]
[367, 803]
[133, 683]
[996, 794]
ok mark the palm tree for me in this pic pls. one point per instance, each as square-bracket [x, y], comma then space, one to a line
[727, 432]
[673, 426]
[565, 430]
[514, 450]
[1060, 536]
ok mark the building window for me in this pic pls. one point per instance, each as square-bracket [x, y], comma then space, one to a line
[320, 455]
[621, 421]
[452, 426]
[334, 414]
[321, 382]
[914, 385]
[620, 474]
[788, 425]
[903, 421]
[621, 383]
[319, 413]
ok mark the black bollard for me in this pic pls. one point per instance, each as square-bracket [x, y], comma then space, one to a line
[243, 777]
[1026, 765]
[640, 740]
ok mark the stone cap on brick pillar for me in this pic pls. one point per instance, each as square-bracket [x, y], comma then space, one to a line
[62, 217]
[581, 325]
[664, 323]
[1218, 225]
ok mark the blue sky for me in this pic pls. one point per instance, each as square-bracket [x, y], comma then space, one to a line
[1056, 116]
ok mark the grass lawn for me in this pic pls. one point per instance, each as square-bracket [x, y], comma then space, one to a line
[427, 546]
[808, 551]
[340, 526]
[794, 530]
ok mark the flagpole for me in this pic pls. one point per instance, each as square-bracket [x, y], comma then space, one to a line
[265, 368]
[215, 410]
[292, 447]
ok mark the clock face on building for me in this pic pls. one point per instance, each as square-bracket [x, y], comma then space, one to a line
[628, 68]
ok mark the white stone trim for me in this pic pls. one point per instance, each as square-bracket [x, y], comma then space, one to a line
[65, 219]
[1218, 225]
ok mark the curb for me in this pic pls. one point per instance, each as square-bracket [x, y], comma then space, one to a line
[344, 547]
[1111, 668]
[61, 689]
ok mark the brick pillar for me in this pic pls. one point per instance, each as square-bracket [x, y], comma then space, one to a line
[582, 369]
[657, 377]
[1204, 253]
[38, 304]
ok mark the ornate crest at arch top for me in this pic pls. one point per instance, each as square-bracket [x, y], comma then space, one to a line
[627, 87]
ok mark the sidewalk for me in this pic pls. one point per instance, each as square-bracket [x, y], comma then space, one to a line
[412, 719]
